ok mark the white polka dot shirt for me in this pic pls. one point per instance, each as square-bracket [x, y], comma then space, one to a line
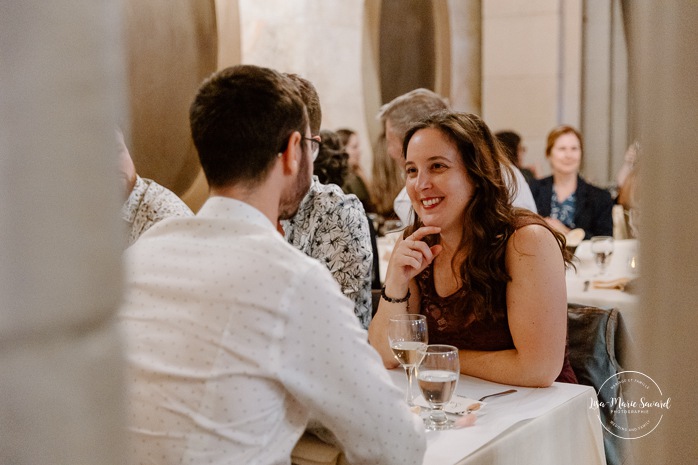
[234, 338]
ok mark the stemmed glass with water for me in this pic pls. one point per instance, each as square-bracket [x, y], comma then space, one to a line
[407, 334]
[602, 248]
[437, 374]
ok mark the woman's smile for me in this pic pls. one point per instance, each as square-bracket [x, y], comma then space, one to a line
[431, 202]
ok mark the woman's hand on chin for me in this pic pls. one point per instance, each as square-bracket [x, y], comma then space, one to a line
[410, 257]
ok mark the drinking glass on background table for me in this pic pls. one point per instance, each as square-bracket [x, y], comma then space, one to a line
[390, 226]
[407, 334]
[602, 248]
[437, 375]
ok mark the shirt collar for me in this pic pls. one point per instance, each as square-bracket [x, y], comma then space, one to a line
[229, 208]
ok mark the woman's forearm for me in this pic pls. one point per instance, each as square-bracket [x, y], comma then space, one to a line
[378, 330]
[511, 367]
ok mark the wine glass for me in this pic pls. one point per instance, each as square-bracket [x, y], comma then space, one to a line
[602, 248]
[407, 334]
[437, 375]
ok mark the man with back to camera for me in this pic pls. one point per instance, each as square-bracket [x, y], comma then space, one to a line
[234, 337]
[396, 118]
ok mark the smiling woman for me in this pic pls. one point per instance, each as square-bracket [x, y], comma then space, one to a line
[437, 181]
[489, 277]
[565, 199]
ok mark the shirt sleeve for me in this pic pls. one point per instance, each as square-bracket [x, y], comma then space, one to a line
[402, 205]
[130, 206]
[150, 203]
[524, 197]
[327, 364]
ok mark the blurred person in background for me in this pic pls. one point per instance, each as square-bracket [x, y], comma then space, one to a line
[626, 179]
[332, 164]
[386, 182]
[628, 184]
[565, 199]
[516, 151]
[356, 182]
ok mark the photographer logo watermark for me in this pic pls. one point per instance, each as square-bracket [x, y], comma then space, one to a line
[630, 405]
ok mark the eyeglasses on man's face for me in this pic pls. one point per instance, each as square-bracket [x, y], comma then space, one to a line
[314, 146]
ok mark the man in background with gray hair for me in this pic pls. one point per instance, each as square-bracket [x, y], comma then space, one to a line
[399, 114]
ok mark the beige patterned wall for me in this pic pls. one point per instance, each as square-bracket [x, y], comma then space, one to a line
[519, 64]
[171, 46]
[336, 45]
[531, 69]
[319, 40]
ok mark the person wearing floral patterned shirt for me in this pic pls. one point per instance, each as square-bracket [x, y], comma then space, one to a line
[147, 202]
[332, 227]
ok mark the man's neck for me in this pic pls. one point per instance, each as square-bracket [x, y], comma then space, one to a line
[263, 197]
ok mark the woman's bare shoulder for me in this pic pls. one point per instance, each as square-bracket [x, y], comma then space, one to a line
[532, 239]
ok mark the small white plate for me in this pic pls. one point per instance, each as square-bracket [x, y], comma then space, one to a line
[458, 405]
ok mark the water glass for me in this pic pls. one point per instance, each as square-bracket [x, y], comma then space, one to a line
[437, 374]
[602, 248]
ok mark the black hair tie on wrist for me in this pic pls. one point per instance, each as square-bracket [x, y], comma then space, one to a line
[394, 301]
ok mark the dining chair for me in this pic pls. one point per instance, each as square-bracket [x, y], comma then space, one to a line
[311, 450]
[598, 345]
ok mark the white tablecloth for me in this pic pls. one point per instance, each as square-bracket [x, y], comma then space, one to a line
[626, 302]
[385, 248]
[553, 425]
[514, 428]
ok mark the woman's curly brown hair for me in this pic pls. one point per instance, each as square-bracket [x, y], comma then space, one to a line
[489, 216]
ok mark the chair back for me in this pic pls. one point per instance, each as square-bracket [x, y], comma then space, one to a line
[597, 345]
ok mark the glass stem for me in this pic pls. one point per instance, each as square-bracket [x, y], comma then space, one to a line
[438, 416]
[409, 397]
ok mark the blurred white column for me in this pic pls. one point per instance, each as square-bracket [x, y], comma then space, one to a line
[61, 78]
[663, 48]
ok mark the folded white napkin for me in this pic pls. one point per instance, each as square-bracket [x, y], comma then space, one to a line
[619, 283]
[458, 405]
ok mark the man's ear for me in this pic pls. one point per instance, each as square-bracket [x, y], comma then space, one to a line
[291, 156]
